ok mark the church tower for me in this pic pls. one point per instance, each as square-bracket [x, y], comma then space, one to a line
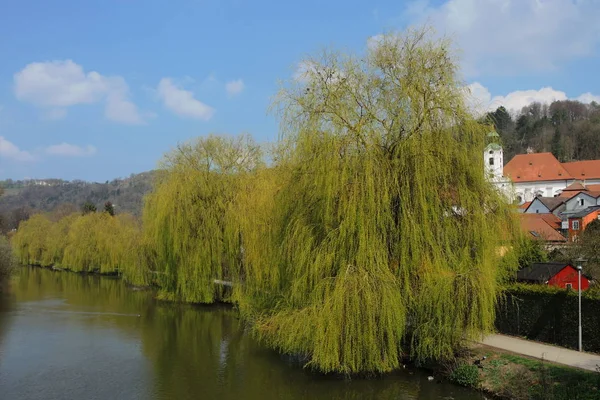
[493, 157]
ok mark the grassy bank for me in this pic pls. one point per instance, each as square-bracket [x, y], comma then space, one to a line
[508, 376]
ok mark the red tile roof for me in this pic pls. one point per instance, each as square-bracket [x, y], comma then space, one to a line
[535, 167]
[525, 205]
[575, 186]
[593, 188]
[542, 226]
[568, 195]
[589, 169]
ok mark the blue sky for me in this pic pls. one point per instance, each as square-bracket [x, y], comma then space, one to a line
[100, 89]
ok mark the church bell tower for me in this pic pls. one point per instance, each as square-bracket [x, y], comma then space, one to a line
[493, 157]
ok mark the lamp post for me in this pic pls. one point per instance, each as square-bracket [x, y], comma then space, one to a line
[579, 269]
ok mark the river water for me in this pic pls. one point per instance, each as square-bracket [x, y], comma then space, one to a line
[67, 336]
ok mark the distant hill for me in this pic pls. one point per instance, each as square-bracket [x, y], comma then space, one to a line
[47, 194]
[569, 129]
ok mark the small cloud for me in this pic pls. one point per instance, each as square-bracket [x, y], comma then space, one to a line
[234, 87]
[11, 151]
[588, 98]
[119, 109]
[182, 102]
[70, 150]
[56, 85]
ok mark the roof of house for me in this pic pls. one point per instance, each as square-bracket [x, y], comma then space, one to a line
[585, 211]
[589, 169]
[535, 167]
[575, 186]
[551, 203]
[568, 195]
[542, 226]
[525, 205]
[541, 272]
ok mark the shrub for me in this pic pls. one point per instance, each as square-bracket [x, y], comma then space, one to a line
[465, 375]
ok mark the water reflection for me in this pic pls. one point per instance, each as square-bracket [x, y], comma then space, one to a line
[66, 336]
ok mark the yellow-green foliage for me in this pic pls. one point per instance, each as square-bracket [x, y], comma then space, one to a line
[386, 228]
[30, 240]
[374, 232]
[90, 242]
[186, 216]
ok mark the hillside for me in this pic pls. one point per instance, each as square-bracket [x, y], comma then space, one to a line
[569, 129]
[29, 196]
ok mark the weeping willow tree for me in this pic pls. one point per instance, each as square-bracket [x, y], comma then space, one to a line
[186, 217]
[56, 240]
[99, 242]
[30, 240]
[383, 237]
[94, 242]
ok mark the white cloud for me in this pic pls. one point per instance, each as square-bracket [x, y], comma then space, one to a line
[588, 98]
[182, 102]
[70, 150]
[57, 85]
[234, 87]
[10, 151]
[513, 36]
[481, 100]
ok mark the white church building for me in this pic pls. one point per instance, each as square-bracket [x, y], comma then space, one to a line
[529, 175]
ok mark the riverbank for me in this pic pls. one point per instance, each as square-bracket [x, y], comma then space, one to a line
[506, 375]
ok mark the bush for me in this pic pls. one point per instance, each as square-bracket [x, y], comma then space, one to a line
[549, 314]
[6, 259]
[465, 375]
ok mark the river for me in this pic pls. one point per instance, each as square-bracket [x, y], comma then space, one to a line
[67, 336]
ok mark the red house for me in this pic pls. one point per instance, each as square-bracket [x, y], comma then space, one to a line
[558, 274]
[581, 219]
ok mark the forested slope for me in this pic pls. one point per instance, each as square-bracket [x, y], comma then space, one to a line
[569, 129]
[23, 198]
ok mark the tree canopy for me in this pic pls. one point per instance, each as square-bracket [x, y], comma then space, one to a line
[384, 227]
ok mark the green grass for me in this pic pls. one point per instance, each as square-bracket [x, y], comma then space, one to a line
[511, 376]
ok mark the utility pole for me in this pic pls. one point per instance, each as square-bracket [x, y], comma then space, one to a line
[579, 270]
[579, 286]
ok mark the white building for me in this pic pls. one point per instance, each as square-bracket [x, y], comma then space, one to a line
[493, 159]
[530, 175]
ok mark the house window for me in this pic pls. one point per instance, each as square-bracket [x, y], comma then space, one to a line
[569, 286]
[581, 202]
[491, 160]
[575, 225]
[491, 152]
